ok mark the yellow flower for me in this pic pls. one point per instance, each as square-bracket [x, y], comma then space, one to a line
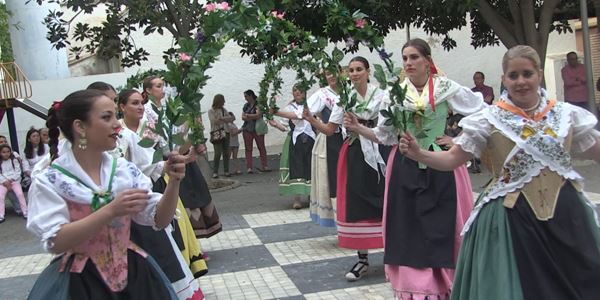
[419, 105]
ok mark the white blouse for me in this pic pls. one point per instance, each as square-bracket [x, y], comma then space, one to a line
[50, 190]
[375, 97]
[300, 126]
[324, 97]
[127, 146]
[11, 170]
[459, 98]
[29, 163]
[477, 128]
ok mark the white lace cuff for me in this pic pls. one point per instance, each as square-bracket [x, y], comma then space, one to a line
[585, 141]
[48, 237]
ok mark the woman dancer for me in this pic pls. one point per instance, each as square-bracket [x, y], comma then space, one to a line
[424, 208]
[324, 156]
[360, 172]
[83, 204]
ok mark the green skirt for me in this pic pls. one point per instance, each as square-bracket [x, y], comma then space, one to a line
[287, 186]
[488, 266]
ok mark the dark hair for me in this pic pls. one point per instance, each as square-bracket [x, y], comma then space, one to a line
[480, 73]
[251, 94]
[572, 52]
[361, 59]
[101, 86]
[29, 146]
[12, 155]
[76, 106]
[421, 46]
[146, 84]
[124, 95]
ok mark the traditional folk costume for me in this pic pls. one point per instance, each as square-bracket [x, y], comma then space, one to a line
[182, 232]
[295, 164]
[194, 192]
[533, 234]
[166, 245]
[324, 160]
[360, 179]
[425, 208]
[107, 265]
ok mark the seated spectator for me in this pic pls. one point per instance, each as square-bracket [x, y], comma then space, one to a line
[34, 150]
[44, 135]
[11, 195]
[486, 91]
[10, 179]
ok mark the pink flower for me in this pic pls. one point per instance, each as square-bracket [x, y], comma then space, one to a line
[278, 15]
[360, 23]
[210, 7]
[223, 6]
[184, 57]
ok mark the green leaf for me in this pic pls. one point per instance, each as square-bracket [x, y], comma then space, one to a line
[146, 143]
[380, 76]
[421, 135]
[178, 139]
[337, 55]
[157, 156]
[385, 113]
[389, 122]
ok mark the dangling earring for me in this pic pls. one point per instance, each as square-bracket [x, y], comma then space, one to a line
[82, 142]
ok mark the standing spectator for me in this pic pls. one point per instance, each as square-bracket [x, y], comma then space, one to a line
[573, 76]
[234, 145]
[251, 113]
[44, 135]
[10, 179]
[219, 135]
[34, 150]
[486, 91]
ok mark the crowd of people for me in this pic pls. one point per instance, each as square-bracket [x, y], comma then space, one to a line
[124, 226]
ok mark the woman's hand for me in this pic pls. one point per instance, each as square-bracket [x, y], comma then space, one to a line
[201, 149]
[128, 202]
[408, 145]
[351, 122]
[7, 184]
[191, 156]
[444, 141]
[175, 166]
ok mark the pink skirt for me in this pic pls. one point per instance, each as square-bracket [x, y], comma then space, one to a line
[360, 235]
[418, 284]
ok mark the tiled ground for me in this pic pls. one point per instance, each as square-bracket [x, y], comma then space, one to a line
[270, 255]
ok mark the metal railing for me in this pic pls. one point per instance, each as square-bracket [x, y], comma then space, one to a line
[13, 82]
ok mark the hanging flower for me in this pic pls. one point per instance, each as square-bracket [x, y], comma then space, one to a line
[184, 57]
[350, 42]
[360, 23]
[210, 7]
[383, 55]
[278, 15]
[200, 37]
[223, 6]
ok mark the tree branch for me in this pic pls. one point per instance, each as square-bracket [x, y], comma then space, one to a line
[515, 12]
[500, 25]
[173, 13]
[529, 29]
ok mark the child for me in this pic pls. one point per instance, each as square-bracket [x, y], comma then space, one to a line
[234, 145]
[10, 179]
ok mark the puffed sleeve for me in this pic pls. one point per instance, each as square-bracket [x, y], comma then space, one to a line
[475, 132]
[315, 102]
[47, 209]
[583, 124]
[337, 115]
[466, 102]
[141, 181]
[142, 157]
[386, 134]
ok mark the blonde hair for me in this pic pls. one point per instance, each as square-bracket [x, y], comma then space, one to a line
[521, 51]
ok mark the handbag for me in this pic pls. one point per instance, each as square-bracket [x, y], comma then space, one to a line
[261, 127]
[53, 284]
[218, 136]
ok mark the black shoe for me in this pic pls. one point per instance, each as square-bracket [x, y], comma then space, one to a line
[357, 271]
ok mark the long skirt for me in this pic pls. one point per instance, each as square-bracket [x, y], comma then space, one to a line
[360, 191]
[425, 211]
[509, 254]
[295, 166]
[321, 209]
[144, 281]
[197, 200]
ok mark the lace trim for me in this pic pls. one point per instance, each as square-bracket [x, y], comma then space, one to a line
[47, 237]
[385, 136]
[467, 145]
